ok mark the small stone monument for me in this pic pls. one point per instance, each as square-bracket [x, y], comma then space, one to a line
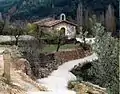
[7, 60]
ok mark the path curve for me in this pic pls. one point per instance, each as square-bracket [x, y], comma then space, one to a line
[58, 80]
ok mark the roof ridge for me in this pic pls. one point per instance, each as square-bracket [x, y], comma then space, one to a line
[53, 22]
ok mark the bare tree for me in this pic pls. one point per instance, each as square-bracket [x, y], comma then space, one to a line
[110, 19]
[17, 30]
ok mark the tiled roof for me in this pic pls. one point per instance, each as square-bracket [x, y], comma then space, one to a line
[50, 23]
[43, 21]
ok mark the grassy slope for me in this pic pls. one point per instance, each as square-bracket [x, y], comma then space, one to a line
[52, 48]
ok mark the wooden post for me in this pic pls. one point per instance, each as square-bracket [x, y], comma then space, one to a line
[7, 59]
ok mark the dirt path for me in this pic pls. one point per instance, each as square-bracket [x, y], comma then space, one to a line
[58, 80]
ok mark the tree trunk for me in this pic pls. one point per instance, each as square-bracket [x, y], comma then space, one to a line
[58, 46]
[84, 42]
[16, 41]
[1, 31]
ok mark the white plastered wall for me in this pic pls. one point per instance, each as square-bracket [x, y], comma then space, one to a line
[70, 30]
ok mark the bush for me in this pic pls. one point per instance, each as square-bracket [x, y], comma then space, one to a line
[104, 71]
[41, 64]
[108, 51]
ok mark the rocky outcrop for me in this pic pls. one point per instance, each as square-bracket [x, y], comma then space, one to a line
[24, 65]
[20, 82]
[87, 88]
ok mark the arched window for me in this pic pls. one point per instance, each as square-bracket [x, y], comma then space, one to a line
[62, 30]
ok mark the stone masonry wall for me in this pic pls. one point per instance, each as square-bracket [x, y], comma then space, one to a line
[72, 54]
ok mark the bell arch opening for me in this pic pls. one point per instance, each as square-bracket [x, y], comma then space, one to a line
[62, 16]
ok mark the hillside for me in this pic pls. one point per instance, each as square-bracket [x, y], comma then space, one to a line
[20, 83]
[35, 9]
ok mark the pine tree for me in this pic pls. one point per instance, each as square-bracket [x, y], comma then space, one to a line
[102, 18]
[86, 19]
[80, 14]
[110, 19]
[80, 23]
[107, 67]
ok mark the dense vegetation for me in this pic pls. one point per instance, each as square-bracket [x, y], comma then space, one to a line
[105, 71]
[31, 9]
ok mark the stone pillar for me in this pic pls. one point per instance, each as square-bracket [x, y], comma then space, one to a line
[7, 60]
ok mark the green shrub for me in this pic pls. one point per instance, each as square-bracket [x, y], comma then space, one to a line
[104, 71]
